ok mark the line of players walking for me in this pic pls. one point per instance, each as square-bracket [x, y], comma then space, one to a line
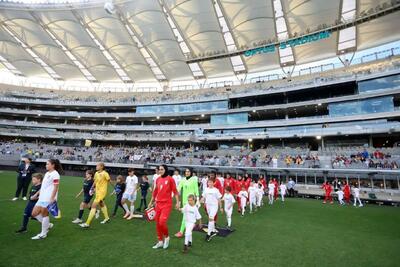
[213, 191]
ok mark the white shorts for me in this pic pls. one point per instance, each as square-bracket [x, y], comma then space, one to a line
[129, 197]
[212, 210]
[271, 193]
[228, 212]
[243, 203]
[42, 204]
[189, 228]
[253, 200]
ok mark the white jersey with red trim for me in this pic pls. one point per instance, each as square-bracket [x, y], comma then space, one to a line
[50, 179]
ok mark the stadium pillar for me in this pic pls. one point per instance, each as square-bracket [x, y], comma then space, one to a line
[322, 143]
[371, 142]
[26, 119]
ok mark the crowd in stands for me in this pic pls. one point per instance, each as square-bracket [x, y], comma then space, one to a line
[364, 159]
[273, 157]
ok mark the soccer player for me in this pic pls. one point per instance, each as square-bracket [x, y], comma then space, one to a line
[243, 196]
[271, 192]
[162, 195]
[48, 195]
[247, 180]
[87, 196]
[260, 193]
[155, 176]
[239, 184]
[328, 191]
[33, 198]
[221, 179]
[177, 177]
[229, 200]
[129, 194]
[229, 181]
[346, 191]
[340, 194]
[283, 189]
[187, 186]
[204, 183]
[100, 186]
[119, 190]
[276, 188]
[212, 199]
[252, 196]
[356, 191]
[144, 188]
[191, 214]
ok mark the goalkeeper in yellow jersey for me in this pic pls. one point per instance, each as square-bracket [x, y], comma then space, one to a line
[101, 180]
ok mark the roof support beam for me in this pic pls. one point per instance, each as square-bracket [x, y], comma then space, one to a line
[347, 37]
[195, 68]
[29, 50]
[230, 44]
[363, 18]
[113, 62]
[147, 55]
[85, 72]
[10, 67]
[286, 56]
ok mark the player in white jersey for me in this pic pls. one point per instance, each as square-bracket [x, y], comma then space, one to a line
[340, 194]
[221, 179]
[283, 190]
[177, 177]
[191, 214]
[204, 181]
[48, 195]
[243, 196]
[212, 199]
[252, 196]
[271, 190]
[130, 194]
[155, 177]
[229, 200]
[260, 193]
[356, 192]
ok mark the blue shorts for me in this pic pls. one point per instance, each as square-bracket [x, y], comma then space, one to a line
[43, 204]
[87, 199]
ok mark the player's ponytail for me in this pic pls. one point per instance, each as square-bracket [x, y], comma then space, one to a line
[57, 165]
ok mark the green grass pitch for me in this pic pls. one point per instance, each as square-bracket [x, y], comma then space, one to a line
[300, 232]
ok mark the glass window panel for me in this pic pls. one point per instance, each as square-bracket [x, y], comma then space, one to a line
[374, 105]
[385, 83]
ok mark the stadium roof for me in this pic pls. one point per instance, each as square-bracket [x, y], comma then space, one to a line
[164, 40]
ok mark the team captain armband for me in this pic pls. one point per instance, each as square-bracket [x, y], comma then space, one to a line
[56, 181]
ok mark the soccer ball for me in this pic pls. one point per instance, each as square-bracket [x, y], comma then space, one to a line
[109, 8]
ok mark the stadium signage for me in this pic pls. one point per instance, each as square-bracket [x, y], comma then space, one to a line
[291, 43]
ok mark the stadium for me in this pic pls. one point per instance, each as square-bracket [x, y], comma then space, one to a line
[275, 121]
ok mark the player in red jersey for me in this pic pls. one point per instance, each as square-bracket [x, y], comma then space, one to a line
[276, 188]
[229, 181]
[239, 184]
[162, 195]
[328, 190]
[247, 180]
[263, 181]
[346, 191]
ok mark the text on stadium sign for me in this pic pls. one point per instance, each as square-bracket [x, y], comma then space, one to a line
[290, 43]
